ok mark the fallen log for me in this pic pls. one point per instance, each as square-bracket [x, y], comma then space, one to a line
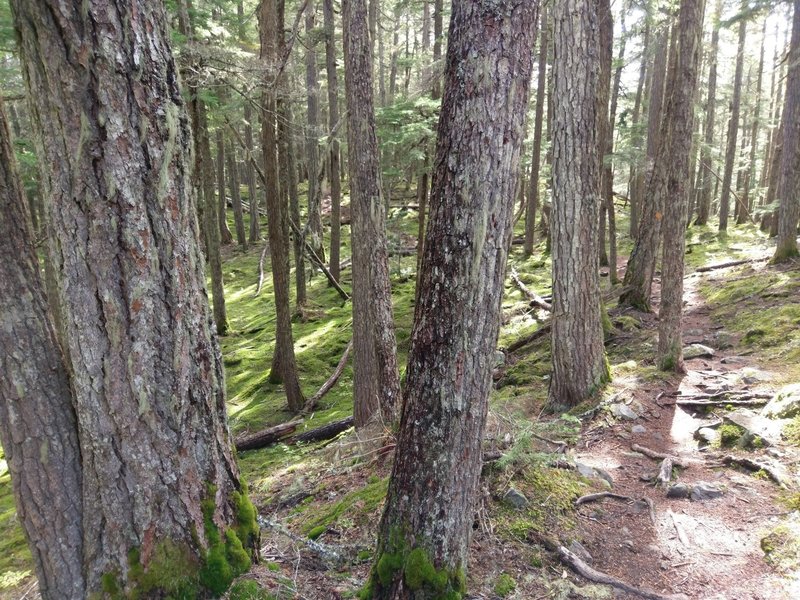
[732, 263]
[534, 298]
[325, 432]
[326, 387]
[265, 437]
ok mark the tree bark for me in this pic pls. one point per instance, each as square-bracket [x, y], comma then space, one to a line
[333, 121]
[147, 373]
[789, 187]
[252, 189]
[289, 188]
[636, 138]
[606, 51]
[376, 384]
[675, 149]
[430, 506]
[750, 176]
[536, 153]
[314, 224]
[733, 130]
[284, 366]
[37, 422]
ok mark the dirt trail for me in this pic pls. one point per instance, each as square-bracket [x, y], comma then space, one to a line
[701, 549]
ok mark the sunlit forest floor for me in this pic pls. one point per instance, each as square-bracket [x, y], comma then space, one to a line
[321, 502]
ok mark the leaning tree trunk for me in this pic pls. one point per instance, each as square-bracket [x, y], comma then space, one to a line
[37, 422]
[376, 383]
[429, 512]
[789, 187]
[284, 366]
[536, 156]
[333, 122]
[675, 149]
[733, 130]
[159, 475]
[579, 361]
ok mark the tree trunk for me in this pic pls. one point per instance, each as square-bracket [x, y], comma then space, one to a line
[789, 187]
[733, 129]
[750, 176]
[252, 189]
[314, 224]
[536, 152]
[641, 263]
[284, 367]
[606, 51]
[675, 149]
[376, 383]
[636, 139]
[147, 372]
[289, 189]
[429, 511]
[37, 422]
[333, 121]
[438, 33]
[236, 197]
[579, 361]
[202, 147]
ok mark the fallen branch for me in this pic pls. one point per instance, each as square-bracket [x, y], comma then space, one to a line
[659, 455]
[725, 265]
[265, 437]
[329, 555]
[326, 387]
[534, 298]
[599, 496]
[325, 432]
[261, 269]
[681, 533]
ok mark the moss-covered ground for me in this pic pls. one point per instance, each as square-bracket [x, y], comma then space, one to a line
[341, 492]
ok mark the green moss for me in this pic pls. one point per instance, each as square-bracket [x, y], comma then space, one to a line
[504, 585]
[216, 574]
[317, 531]
[730, 434]
[109, 583]
[247, 589]
[363, 502]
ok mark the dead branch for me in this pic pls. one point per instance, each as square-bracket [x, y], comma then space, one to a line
[534, 298]
[326, 387]
[325, 432]
[329, 554]
[599, 496]
[733, 263]
[659, 456]
[261, 269]
[265, 437]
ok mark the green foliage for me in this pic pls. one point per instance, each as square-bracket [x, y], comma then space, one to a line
[730, 434]
[504, 585]
[247, 589]
[406, 129]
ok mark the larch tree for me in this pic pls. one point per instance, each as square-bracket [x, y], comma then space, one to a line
[376, 382]
[675, 149]
[284, 365]
[425, 530]
[36, 414]
[579, 362]
[789, 187]
[160, 486]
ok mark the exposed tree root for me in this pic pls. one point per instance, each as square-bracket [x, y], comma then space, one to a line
[599, 496]
[754, 465]
[659, 456]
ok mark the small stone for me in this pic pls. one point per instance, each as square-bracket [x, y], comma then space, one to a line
[705, 491]
[756, 425]
[721, 340]
[597, 474]
[638, 429]
[578, 549]
[785, 404]
[678, 490]
[693, 332]
[623, 411]
[629, 545]
[515, 499]
[707, 435]
[499, 358]
[697, 351]
[649, 477]
[732, 360]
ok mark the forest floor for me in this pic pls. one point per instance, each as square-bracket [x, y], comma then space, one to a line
[320, 503]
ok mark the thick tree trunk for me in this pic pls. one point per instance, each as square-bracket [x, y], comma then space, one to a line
[789, 186]
[252, 189]
[147, 372]
[641, 263]
[430, 507]
[604, 133]
[333, 121]
[636, 139]
[236, 197]
[675, 149]
[284, 366]
[733, 130]
[579, 361]
[376, 383]
[750, 176]
[536, 156]
[37, 421]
